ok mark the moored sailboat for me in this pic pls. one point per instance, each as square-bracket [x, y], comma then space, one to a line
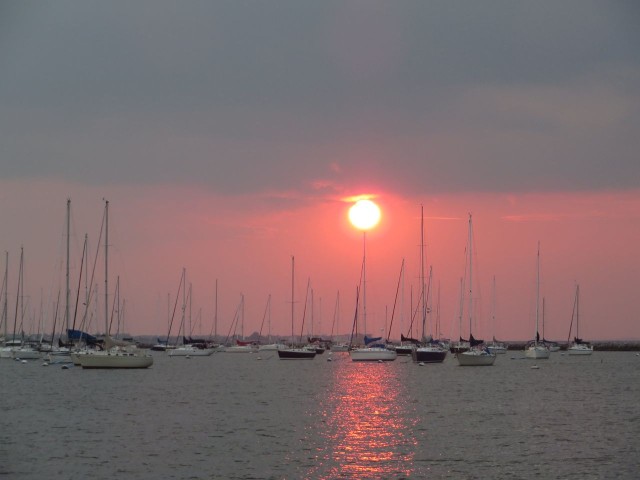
[293, 352]
[114, 356]
[430, 351]
[477, 355]
[537, 349]
[578, 346]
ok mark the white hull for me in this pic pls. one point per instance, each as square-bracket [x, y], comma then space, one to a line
[499, 350]
[5, 352]
[580, 349]
[476, 358]
[114, 360]
[272, 347]
[241, 349]
[340, 347]
[373, 355]
[537, 352]
[25, 354]
[497, 347]
[191, 352]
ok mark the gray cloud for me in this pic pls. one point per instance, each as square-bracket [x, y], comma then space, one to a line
[246, 96]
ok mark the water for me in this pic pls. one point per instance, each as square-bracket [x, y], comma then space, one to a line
[253, 416]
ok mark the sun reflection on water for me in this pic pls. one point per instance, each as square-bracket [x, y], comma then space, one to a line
[367, 427]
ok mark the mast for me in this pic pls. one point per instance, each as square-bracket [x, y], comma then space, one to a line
[537, 293]
[6, 288]
[364, 280]
[422, 282]
[470, 278]
[15, 319]
[215, 317]
[292, 283]
[106, 268]
[578, 312]
[68, 290]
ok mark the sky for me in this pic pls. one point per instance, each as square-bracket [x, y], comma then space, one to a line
[231, 136]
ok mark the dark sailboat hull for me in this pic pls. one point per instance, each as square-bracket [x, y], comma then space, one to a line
[296, 354]
[429, 356]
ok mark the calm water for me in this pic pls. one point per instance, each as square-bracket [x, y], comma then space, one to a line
[238, 416]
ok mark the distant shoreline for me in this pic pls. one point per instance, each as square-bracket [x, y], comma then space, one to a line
[600, 346]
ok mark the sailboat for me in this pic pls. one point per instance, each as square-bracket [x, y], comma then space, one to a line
[293, 353]
[430, 351]
[552, 346]
[62, 353]
[270, 345]
[537, 349]
[340, 346]
[461, 345]
[578, 346]
[189, 347]
[373, 350]
[241, 346]
[5, 349]
[477, 355]
[115, 354]
[21, 351]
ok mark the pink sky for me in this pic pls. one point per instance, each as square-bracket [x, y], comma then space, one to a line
[588, 238]
[226, 136]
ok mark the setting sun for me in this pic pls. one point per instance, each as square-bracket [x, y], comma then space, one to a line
[364, 214]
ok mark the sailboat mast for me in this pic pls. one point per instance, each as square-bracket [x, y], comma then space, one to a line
[68, 290]
[292, 284]
[422, 283]
[5, 318]
[578, 311]
[470, 277]
[537, 292]
[364, 281]
[215, 317]
[106, 268]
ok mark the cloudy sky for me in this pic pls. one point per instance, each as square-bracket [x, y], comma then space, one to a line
[229, 136]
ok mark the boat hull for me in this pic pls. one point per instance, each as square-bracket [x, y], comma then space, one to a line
[499, 350]
[373, 355]
[296, 354]
[405, 350]
[428, 355]
[190, 352]
[537, 352]
[25, 354]
[580, 350]
[106, 360]
[475, 358]
[340, 347]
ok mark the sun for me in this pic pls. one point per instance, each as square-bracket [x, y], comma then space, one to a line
[364, 214]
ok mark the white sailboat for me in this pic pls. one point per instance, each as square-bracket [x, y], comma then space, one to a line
[5, 348]
[62, 353]
[537, 349]
[270, 345]
[372, 351]
[21, 351]
[477, 355]
[188, 349]
[578, 346]
[115, 355]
